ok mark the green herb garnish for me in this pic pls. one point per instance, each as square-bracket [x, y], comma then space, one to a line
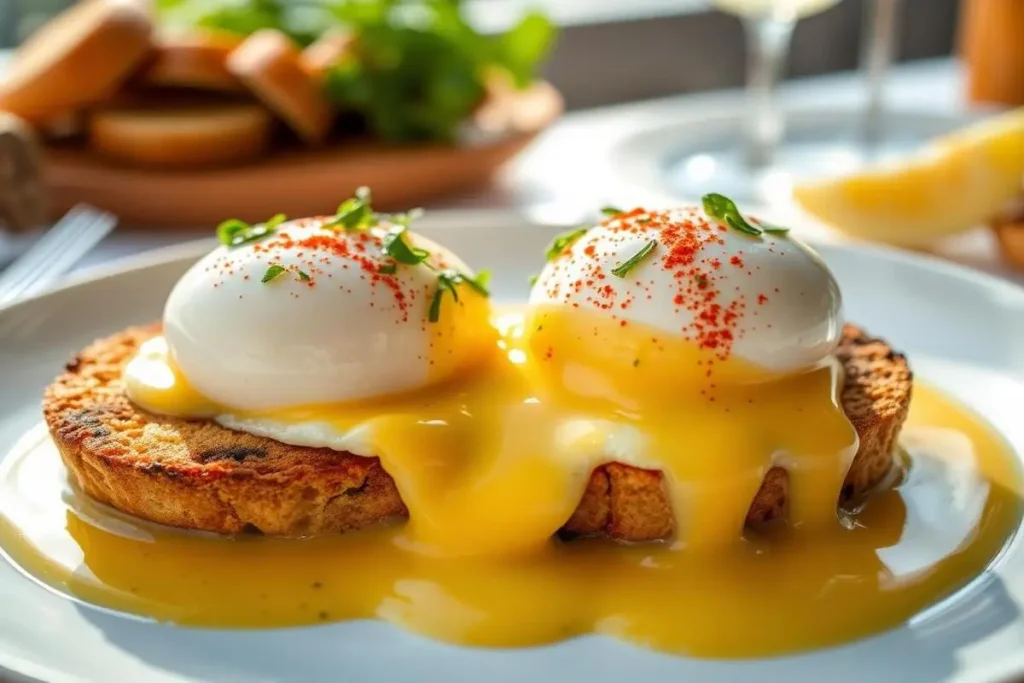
[234, 232]
[395, 245]
[480, 282]
[533, 279]
[611, 211]
[273, 272]
[406, 217]
[724, 209]
[388, 269]
[448, 280]
[633, 261]
[355, 213]
[563, 242]
[277, 270]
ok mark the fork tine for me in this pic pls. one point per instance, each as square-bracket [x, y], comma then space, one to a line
[30, 259]
[77, 240]
[39, 259]
[56, 251]
[79, 243]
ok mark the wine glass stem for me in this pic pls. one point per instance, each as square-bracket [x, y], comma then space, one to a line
[768, 42]
[879, 46]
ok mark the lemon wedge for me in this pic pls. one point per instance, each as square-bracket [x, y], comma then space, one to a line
[954, 183]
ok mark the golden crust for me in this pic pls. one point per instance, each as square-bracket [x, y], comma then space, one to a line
[198, 475]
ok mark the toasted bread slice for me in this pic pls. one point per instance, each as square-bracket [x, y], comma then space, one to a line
[271, 66]
[187, 135]
[198, 475]
[197, 59]
[77, 59]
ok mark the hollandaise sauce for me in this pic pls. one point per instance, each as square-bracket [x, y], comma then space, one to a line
[492, 468]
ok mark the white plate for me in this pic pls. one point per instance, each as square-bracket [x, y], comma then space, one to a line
[962, 330]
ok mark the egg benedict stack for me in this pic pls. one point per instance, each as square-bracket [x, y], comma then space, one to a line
[675, 374]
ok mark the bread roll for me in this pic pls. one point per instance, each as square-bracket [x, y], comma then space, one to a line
[188, 135]
[77, 59]
[195, 59]
[270, 65]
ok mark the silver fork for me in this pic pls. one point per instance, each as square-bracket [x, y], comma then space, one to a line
[55, 252]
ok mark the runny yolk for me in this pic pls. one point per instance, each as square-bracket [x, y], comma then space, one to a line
[493, 464]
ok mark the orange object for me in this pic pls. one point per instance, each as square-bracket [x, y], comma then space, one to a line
[181, 136]
[78, 59]
[992, 44]
[194, 60]
[270, 65]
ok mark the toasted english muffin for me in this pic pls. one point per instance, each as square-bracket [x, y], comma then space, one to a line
[198, 475]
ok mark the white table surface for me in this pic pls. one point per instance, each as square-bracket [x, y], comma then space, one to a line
[568, 171]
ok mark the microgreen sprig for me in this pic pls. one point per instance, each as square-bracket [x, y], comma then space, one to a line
[725, 210]
[563, 241]
[395, 245]
[277, 270]
[355, 213]
[235, 232]
[622, 270]
[448, 281]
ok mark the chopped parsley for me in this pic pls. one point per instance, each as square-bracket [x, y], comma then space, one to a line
[234, 232]
[533, 279]
[388, 269]
[563, 241]
[406, 217]
[633, 261]
[395, 245]
[724, 209]
[277, 270]
[273, 272]
[355, 213]
[448, 280]
[611, 211]
[773, 229]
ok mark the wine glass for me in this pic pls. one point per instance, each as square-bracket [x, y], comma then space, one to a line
[760, 168]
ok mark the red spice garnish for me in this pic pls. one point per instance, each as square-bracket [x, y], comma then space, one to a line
[359, 249]
[762, 299]
[682, 238]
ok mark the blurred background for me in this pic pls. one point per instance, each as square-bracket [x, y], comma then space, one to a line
[897, 121]
[613, 51]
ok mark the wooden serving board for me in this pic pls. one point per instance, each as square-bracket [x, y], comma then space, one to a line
[294, 182]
